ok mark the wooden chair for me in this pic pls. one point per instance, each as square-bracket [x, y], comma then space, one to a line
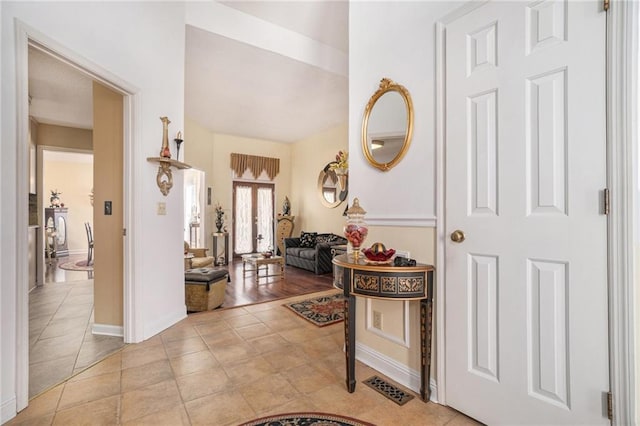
[87, 227]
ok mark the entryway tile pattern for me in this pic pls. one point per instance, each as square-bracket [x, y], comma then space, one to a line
[60, 338]
[226, 367]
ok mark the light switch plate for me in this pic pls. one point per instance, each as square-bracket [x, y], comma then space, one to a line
[162, 208]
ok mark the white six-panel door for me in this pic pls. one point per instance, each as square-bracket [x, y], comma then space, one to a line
[526, 290]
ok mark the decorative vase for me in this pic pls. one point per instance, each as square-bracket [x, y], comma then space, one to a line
[219, 223]
[164, 151]
[341, 173]
[356, 230]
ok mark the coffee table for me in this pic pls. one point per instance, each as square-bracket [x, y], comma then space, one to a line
[257, 261]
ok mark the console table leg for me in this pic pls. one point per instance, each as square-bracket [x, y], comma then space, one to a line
[350, 341]
[426, 312]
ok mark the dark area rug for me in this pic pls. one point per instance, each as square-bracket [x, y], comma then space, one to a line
[306, 419]
[321, 311]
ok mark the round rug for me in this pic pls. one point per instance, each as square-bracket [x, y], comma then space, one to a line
[76, 265]
[306, 419]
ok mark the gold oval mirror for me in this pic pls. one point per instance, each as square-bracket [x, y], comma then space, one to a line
[387, 125]
[332, 188]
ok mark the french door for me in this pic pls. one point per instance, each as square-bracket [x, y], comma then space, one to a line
[252, 217]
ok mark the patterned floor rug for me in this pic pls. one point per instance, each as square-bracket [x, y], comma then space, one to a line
[306, 419]
[76, 265]
[321, 311]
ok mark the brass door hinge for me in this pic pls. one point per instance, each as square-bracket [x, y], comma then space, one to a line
[606, 201]
[605, 4]
[610, 405]
[124, 232]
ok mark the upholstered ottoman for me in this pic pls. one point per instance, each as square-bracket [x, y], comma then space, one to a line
[205, 288]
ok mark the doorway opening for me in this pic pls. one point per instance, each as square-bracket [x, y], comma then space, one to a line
[61, 169]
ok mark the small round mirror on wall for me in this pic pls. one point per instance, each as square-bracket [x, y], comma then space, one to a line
[332, 189]
[387, 125]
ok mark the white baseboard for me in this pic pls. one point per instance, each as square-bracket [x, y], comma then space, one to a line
[108, 330]
[8, 410]
[391, 368]
[164, 322]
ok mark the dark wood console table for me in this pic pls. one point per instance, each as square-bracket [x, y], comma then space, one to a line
[359, 278]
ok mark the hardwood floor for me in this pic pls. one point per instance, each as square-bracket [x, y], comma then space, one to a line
[244, 290]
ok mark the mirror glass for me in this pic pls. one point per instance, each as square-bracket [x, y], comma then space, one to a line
[61, 231]
[387, 125]
[332, 188]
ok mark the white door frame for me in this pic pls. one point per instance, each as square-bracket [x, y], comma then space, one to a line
[622, 59]
[133, 327]
[622, 164]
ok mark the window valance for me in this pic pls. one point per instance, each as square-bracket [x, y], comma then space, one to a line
[241, 162]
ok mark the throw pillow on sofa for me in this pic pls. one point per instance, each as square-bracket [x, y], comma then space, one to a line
[308, 239]
[326, 238]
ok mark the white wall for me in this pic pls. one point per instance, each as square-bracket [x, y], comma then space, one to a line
[405, 53]
[142, 46]
[400, 203]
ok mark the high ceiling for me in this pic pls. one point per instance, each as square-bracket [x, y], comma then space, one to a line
[230, 87]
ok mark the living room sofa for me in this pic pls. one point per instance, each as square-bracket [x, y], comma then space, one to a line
[311, 251]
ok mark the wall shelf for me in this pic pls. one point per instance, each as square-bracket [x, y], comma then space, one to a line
[164, 178]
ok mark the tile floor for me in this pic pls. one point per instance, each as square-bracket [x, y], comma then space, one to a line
[223, 368]
[60, 339]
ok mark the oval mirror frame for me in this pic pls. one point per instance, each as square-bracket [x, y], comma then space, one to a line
[386, 86]
[339, 195]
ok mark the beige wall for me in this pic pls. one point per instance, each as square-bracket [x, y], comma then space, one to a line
[108, 185]
[67, 137]
[300, 164]
[74, 180]
[309, 157]
[420, 243]
[211, 152]
[223, 146]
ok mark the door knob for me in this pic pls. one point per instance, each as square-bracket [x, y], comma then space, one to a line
[457, 236]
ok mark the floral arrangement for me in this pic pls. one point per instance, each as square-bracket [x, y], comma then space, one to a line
[219, 217]
[342, 161]
[219, 212]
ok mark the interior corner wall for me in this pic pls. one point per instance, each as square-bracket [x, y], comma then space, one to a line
[139, 46]
[398, 199]
[309, 158]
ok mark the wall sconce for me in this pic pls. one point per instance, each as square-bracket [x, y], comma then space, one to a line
[164, 177]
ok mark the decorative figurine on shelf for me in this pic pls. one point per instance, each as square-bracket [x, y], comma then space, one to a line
[178, 140]
[55, 199]
[164, 151]
[286, 207]
[355, 231]
[219, 217]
